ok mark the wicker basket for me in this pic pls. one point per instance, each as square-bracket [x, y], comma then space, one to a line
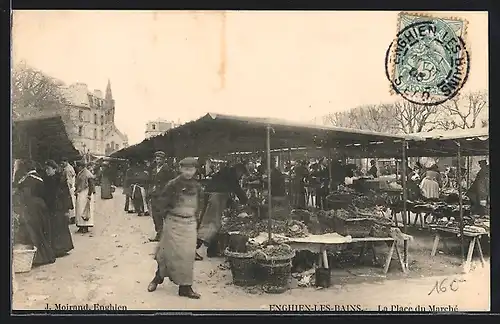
[23, 259]
[275, 271]
[355, 227]
[243, 267]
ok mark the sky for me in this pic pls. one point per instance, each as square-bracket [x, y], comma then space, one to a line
[180, 65]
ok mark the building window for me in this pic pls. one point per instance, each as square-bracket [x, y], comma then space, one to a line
[102, 134]
[95, 133]
[153, 126]
[91, 101]
[102, 120]
[112, 145]
[95, 119]
[80, 115]
[80, 130]
[117, 146]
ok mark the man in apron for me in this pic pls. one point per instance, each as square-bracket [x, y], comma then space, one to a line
[175, 254]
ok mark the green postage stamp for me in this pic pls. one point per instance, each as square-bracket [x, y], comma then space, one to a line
[428, 62]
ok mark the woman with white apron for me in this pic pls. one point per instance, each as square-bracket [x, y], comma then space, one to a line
[84, 191]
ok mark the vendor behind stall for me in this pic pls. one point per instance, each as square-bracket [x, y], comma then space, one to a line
[277, 183]
[480, 188]
[222, 184]
[430, 183]
[373, 171]
[299, 175]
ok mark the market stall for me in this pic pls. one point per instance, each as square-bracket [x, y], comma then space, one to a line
[41, 138]
[221, 134]
[470, 226]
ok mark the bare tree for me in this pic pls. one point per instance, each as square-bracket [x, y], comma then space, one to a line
[373, 117]
[369, 117]
[465, 110]
[34, 92]
[339, 119]
[412, 118]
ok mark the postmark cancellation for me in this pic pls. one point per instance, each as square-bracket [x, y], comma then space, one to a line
[428, 61]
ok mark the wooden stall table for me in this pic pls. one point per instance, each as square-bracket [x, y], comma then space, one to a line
[475, 239]
[319, 243]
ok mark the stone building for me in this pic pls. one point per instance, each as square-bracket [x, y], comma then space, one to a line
[91, 124]
[158, 127]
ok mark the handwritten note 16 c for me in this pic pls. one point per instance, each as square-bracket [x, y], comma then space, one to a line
[445, 285]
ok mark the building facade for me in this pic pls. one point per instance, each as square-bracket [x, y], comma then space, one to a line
[91, 124]
[158, 127]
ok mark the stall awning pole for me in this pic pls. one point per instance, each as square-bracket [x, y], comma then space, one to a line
[269, 196]
[404, 163]
[29, 148]
[405, 198]
[329, 170]
[460, 201]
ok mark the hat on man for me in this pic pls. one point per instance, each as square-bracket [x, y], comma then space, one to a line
[52, 164]
[482, 162]
[188, 162]
[160, 154]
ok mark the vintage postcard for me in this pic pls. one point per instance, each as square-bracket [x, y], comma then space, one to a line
[175, 161]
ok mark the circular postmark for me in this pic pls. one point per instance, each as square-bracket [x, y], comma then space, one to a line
[427, 63]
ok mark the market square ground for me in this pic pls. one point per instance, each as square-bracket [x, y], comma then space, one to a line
[114, 264]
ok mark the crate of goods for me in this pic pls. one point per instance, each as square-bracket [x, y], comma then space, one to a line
[339, 200]
[23, 256]
[275, 267]
[353, 226]
[243, 267]
[381, 227]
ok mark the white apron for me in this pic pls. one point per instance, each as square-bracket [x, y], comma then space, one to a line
[143, 196]
[82, 211]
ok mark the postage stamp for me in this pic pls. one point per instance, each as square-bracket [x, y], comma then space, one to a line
[428, 62]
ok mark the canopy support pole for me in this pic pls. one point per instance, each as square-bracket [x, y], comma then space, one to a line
[290, 185]
[404, 163]
[460, 202]
[329, 170]
[29, 148]
[269, 196]
[468, 170]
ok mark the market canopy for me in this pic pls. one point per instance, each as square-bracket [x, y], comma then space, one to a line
[41, 138]
[216, 134]
[472, 142]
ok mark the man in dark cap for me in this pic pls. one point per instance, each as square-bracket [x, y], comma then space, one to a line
[222, 184]
[373, 169]
[161, 174]
[480, 188]
[175, 253]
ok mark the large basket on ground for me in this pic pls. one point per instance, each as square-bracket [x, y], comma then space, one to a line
[243, 267]
[22, 259]
[355, 227]
[275, 271]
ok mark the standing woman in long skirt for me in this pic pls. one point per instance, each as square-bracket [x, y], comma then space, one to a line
[106, 182]
[58, 201]
[84, 191]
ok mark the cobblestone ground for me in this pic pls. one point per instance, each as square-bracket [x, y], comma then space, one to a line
[113, 264]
